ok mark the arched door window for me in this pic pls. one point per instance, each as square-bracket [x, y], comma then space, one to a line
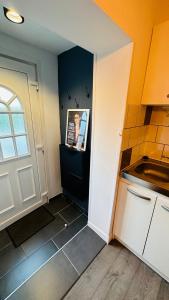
[13, 133]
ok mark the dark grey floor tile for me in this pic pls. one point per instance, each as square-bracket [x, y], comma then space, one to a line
[82, 249]
[9, 257]
[85, 213]
[44, 235]
[71, 213]
[25, 269]
[50, 283]
[66, 234]
[4, 239]
[57, 203]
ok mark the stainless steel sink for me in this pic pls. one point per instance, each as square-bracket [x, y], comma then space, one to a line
[153, 171]
[150, 173]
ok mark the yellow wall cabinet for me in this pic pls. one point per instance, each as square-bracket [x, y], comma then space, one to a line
[156, 88]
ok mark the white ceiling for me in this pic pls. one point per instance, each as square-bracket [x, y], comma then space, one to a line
[79, 21]
[34, 34]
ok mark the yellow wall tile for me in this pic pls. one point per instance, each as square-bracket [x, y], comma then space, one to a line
[141, 134]
[136, 155]
[133, 139]
[165, 155]
[151, 132]
[166, 151]
[141, 115]
[142, 150]
[125, 139]
[153, 150]
[163, 135]
[131, 115]
[160, 116]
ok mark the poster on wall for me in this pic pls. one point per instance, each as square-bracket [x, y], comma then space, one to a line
[77, 128]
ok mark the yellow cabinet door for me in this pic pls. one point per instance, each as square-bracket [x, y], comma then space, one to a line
[156, 88]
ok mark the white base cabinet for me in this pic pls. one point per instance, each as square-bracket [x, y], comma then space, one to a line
[142, 225]
[135, 207]
[157, 246]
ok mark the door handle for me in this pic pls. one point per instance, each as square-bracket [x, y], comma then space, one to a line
[165, 207]
[138, 195]
[40, 148]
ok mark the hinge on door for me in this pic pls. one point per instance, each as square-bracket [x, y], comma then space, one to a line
[36, 84]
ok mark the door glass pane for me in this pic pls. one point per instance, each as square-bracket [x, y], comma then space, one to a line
[5, 94]
[3, 107]
[15, 106]
[18, 123]
[21, 144]
[5, 128]
[7, 147]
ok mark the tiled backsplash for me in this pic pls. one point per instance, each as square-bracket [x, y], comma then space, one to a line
[151, 139]
[157, 134]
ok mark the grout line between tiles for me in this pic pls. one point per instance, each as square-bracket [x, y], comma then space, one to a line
[13, 267]
[26, 257]
[70, 262]
[51, 238]
[38, 269]
[70, 239]
[58, 250]
[63, 208]
[60, 215]
[68, 226]
[162, 152]
[82, 209]
[156, 134]
[41, 266]
[65, 227]
[56, 244]
[78, 218]
[6, 246]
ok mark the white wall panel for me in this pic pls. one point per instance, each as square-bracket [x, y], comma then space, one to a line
[26, 183]
[6, 199]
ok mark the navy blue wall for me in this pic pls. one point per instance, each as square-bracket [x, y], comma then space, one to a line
[75, 75]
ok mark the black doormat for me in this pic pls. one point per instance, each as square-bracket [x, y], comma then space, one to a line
[26, 227]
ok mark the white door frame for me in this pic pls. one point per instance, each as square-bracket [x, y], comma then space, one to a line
[30, 69]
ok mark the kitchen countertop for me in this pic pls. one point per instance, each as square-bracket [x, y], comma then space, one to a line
[130, 174]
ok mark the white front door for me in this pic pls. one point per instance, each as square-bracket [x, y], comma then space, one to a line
[19, 179]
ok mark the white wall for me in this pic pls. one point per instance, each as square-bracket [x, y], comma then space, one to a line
[48, 78]
[111, 77]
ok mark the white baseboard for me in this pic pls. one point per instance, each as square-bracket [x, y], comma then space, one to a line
[56, 194]
[103, 235]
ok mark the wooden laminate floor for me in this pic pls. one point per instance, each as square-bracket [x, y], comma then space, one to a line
[117, 274]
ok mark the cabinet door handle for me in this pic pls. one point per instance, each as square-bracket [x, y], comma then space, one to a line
[165, 207]
[138, 195]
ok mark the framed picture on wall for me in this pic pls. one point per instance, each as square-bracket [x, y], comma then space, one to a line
[77, 128]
